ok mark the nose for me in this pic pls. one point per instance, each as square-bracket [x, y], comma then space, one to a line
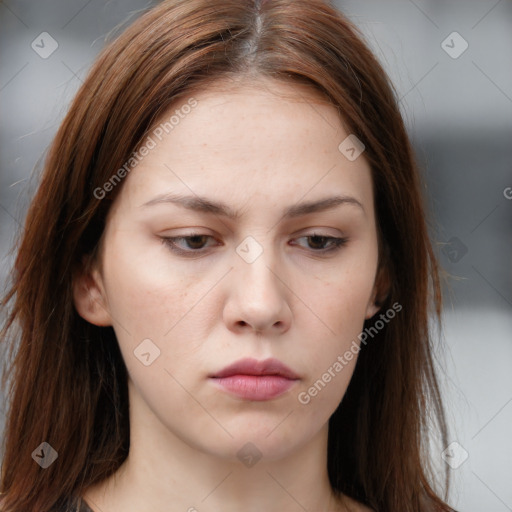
[258, 298]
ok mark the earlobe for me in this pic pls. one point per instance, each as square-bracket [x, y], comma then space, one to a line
[89, 298]
[381, 290]
[371, 309]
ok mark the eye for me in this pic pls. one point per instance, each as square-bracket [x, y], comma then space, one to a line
[195, 243]
[318, 242]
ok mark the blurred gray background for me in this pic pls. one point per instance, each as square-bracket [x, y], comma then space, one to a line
[451, 63]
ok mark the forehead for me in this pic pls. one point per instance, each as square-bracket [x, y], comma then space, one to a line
[247, 138]
[229, 114]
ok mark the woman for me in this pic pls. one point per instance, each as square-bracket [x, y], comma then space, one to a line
[224, 282]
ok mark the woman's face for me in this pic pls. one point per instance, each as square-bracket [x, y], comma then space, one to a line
[270, 282]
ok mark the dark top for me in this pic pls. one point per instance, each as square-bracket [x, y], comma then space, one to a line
[72, 505]
[77, 505]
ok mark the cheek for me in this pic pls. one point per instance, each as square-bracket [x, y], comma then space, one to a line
[340, 295]
[150, 298]
[339, 300]
[146, 296]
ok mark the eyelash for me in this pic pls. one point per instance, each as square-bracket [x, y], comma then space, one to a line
[170, 242]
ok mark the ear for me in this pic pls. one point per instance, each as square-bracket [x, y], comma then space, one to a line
[381, 289]
[89, 295]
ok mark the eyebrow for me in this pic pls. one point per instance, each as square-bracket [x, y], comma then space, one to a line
[206, 205]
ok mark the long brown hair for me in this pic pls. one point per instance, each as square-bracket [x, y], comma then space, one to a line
[66, 379]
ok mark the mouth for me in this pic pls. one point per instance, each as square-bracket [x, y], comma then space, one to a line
[255, 380]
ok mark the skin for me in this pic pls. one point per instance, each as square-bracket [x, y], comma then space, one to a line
[259, 147]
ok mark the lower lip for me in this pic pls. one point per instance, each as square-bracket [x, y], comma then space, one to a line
[255, 387]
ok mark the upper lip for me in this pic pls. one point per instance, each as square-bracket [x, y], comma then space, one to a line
[249, 366]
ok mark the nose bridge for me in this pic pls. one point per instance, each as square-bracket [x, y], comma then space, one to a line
[257, 258]
[259, 296]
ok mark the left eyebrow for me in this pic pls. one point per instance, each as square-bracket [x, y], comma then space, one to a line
[210, 206]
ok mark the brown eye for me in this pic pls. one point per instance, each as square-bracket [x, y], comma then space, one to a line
[324, 243]
[194, 243]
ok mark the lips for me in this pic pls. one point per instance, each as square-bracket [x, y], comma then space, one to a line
[251, 379]
[254, 367]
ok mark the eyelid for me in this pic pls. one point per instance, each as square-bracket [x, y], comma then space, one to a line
[169, 241]
[336, 243]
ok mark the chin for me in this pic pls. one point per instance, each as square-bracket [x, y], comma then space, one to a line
[263, 438]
